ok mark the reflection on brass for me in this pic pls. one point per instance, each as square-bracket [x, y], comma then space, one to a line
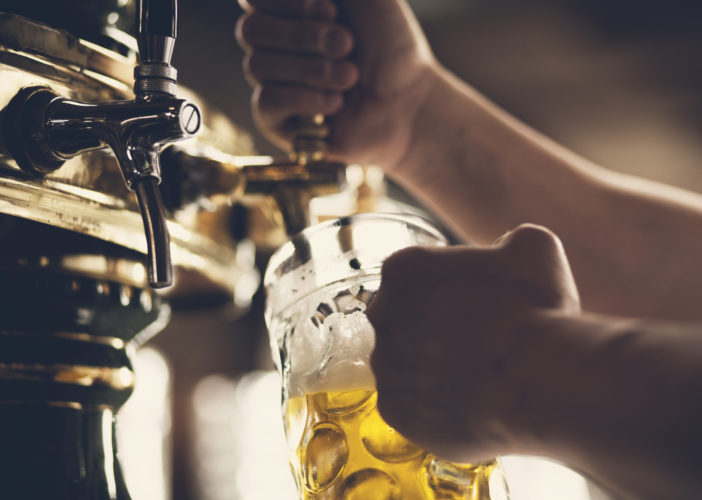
[127, 272]
[23, 34]
[113, 342]
[311, 135]
[71, 405]
[120, 379]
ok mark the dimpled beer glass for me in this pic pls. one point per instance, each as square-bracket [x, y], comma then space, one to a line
[317, 288]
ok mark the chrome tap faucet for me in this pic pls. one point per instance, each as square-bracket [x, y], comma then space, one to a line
[48, 129]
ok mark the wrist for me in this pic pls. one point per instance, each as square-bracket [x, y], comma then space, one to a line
[425, 112]
[548, 361]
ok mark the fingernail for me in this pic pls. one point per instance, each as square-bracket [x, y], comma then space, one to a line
[322, 9]
[337, 43]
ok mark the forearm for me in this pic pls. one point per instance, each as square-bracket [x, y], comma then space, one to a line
[634, 246]
[617, 399]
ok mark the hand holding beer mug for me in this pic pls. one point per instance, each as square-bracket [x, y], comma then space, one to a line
[318, 287]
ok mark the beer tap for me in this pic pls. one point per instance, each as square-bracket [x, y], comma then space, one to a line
[211, 178]
[46, 129]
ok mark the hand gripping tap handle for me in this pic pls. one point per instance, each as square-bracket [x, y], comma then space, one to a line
[311, 133]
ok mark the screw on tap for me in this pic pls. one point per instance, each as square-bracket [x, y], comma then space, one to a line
[190, 118]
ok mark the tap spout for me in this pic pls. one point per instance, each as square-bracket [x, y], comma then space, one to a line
[52, 129]
[157, 237]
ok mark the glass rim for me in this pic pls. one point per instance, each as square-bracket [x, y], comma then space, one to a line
[301, 239]
[348, 248]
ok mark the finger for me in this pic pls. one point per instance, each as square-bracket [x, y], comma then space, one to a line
[428, 267]
[263, 66]
[529, 237]
[305, 37]
[537, 255]
[320, 9]
[274, 105]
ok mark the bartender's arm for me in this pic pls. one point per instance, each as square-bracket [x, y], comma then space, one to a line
[634, 245]
[483, 352]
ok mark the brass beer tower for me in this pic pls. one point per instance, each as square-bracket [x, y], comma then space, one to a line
[94, 208]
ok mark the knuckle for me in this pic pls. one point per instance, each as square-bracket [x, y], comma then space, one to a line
[315, 71]
[247, 5]
[534, 238]
[307, 36]
[243, 30]
[252, 66]
[266, 99]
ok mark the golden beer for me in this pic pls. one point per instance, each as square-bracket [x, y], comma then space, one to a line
[342, 449]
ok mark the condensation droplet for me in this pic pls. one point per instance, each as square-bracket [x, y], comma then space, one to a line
[325, 453]
[370, 484]
[385, 443]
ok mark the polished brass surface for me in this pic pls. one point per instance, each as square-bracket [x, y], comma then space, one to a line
[71, 320]
[87, 194]
[120, 379]
[45, 43]
[114, 342]
[128, 273]
[70, 405]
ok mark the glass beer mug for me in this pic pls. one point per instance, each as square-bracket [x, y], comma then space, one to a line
[317, 288]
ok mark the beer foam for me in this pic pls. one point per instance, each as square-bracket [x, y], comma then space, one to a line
[335, 357]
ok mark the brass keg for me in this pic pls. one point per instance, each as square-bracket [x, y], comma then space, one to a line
[75, 259]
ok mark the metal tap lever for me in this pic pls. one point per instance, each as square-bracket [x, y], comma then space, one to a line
[45, 130]
[154, 77]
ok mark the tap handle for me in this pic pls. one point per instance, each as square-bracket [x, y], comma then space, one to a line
[157, 23]
[157, 17]
[156, 35]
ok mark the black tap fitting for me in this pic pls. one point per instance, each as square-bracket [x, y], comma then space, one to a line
[45, 129]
